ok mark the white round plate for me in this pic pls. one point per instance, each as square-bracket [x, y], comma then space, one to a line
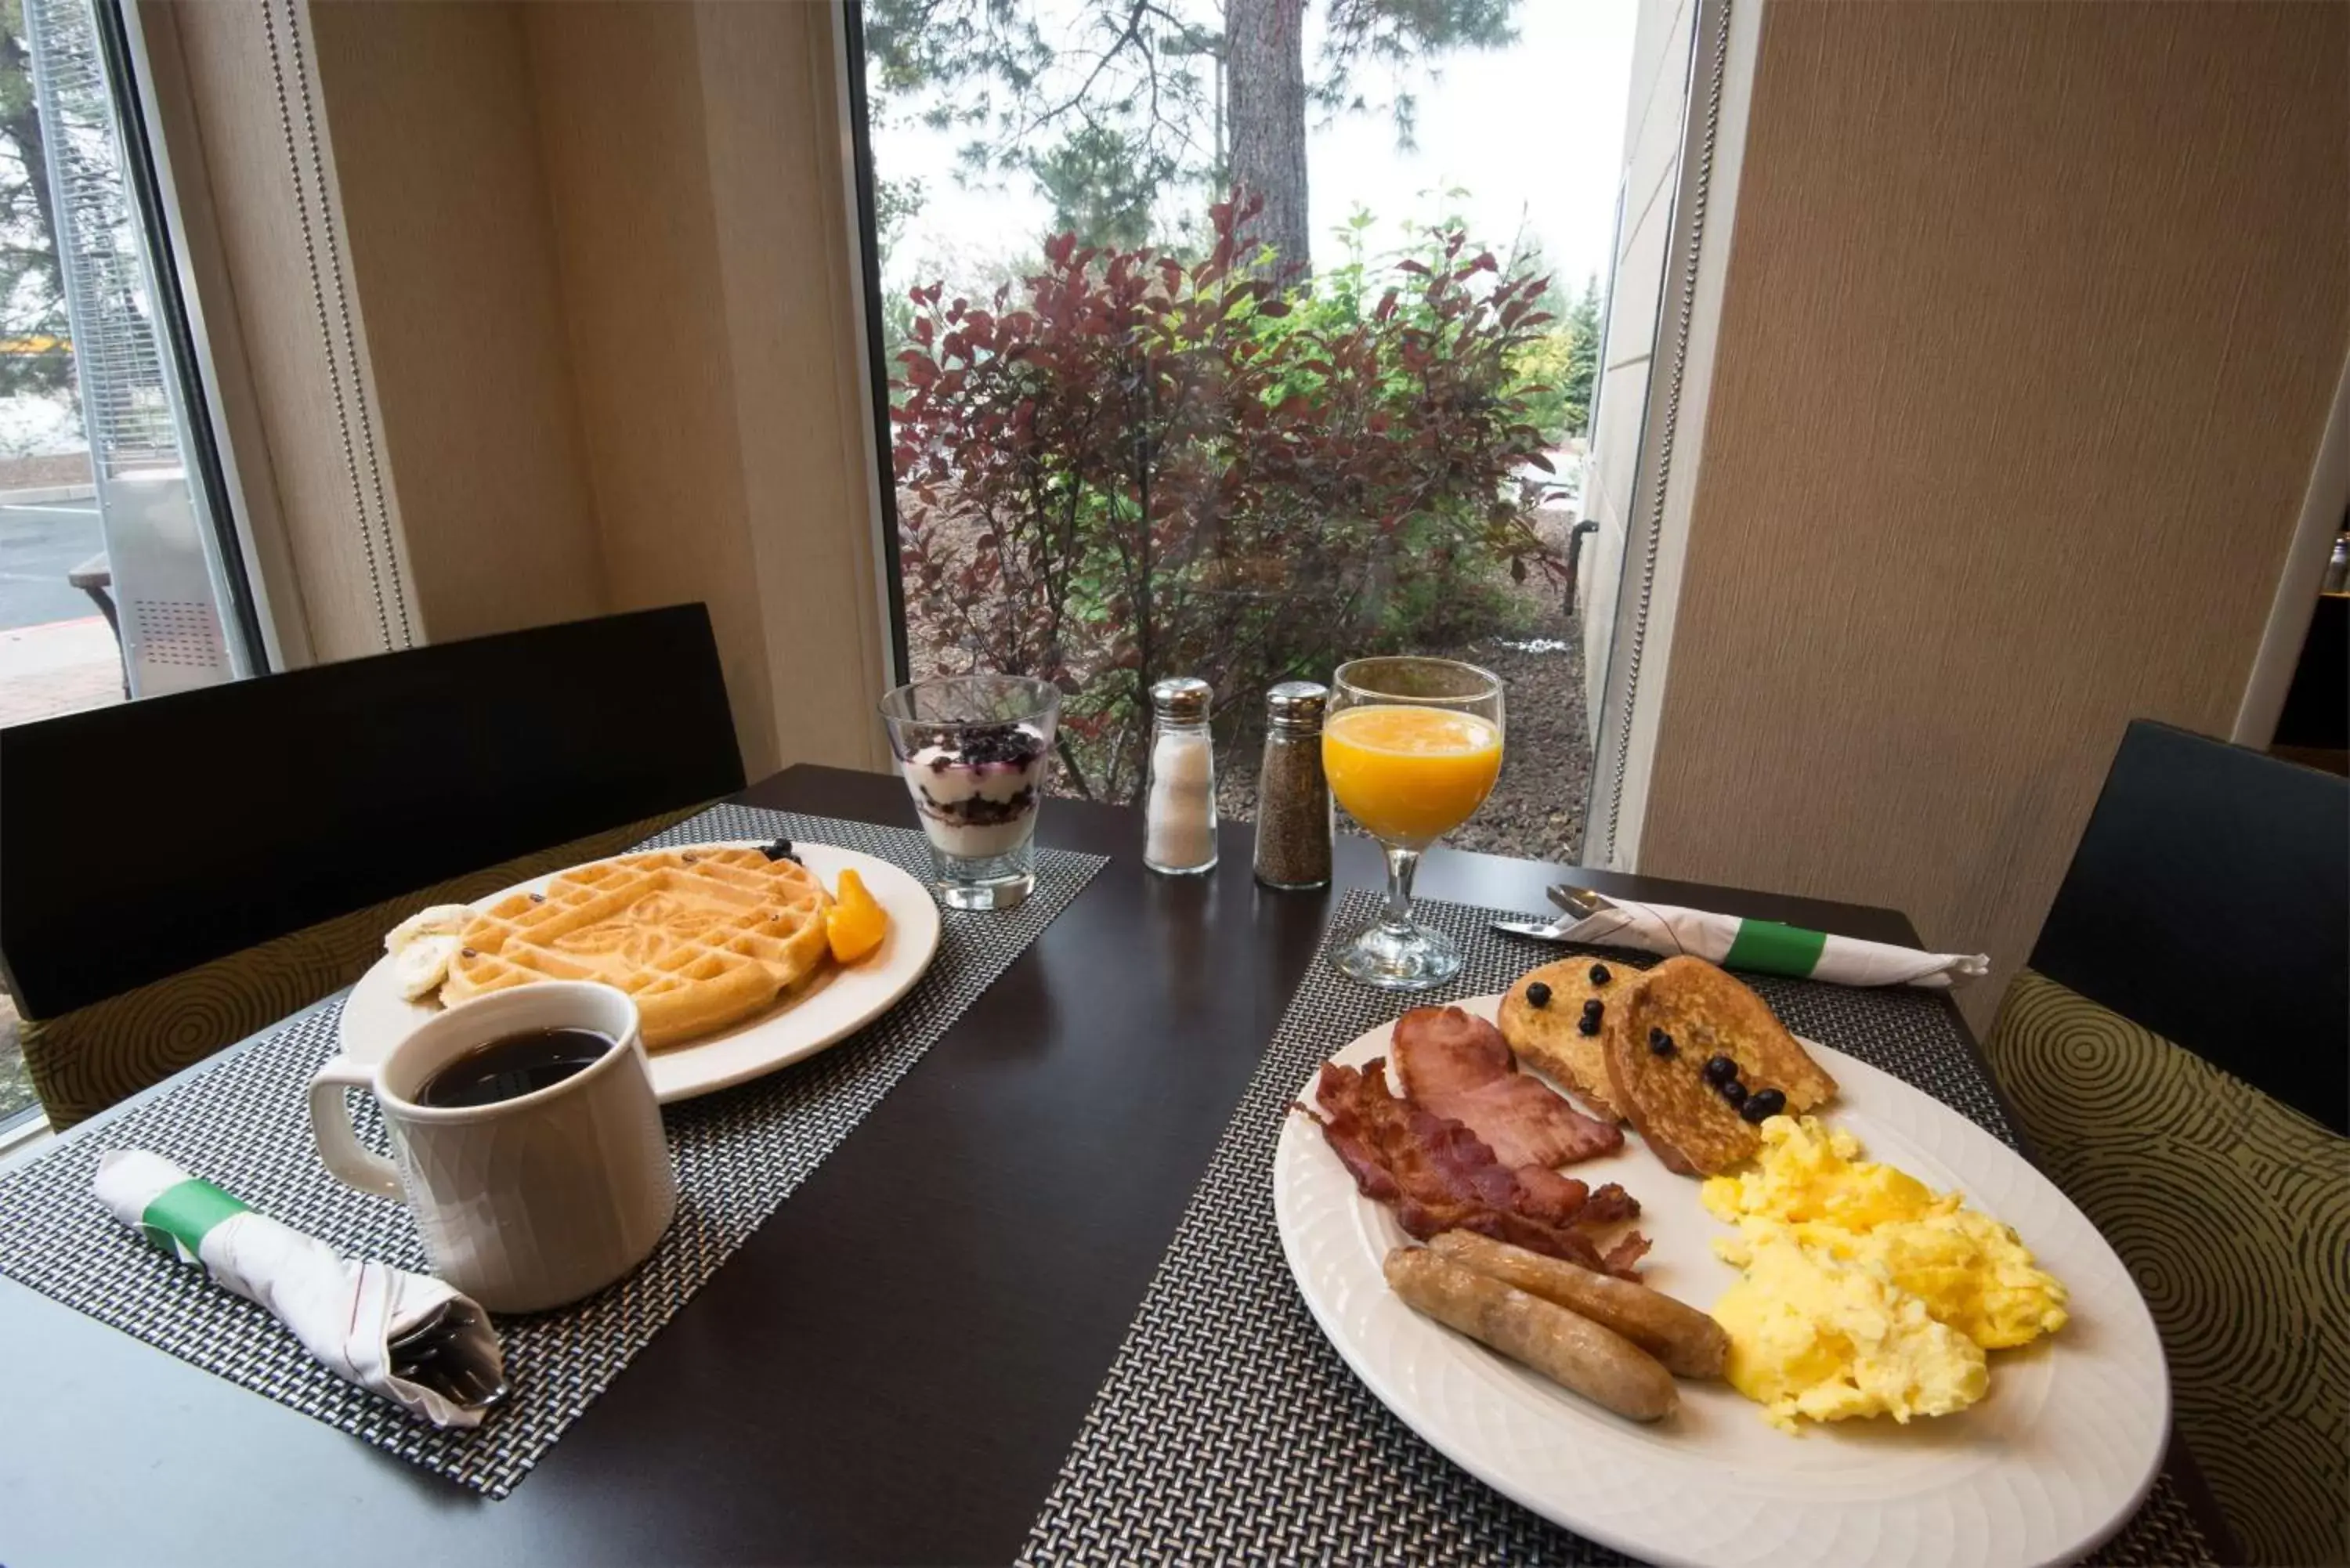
[2047, 1465]
[838, 1003]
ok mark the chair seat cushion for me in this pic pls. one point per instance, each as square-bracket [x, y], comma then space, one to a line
[2233, 1210]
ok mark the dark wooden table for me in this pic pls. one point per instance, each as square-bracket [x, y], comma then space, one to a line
[893, 1367]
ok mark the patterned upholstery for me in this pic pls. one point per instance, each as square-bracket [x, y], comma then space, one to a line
[2233, 1212]
[83, 1060]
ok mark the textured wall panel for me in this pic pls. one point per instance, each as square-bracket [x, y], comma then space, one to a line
[2032, 317]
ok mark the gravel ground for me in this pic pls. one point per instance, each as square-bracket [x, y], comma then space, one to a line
[1536, 810]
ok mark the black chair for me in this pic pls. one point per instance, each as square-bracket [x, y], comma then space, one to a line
[2176, 1052]
[2209, 902]
[261, 829]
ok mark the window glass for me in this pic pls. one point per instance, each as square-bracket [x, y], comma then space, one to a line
[118, 578]
[1238, 337]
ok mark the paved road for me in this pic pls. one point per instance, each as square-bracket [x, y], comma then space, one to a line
[38, 546]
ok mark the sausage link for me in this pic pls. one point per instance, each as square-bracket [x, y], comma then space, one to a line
[1686, 1340]
[1569, 1349]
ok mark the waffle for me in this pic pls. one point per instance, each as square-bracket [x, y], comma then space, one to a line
[701, 938]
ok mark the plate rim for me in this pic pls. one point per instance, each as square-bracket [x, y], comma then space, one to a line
[929, 939]
[1609, 1530]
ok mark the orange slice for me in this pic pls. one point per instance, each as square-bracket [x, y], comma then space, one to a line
[855, 924]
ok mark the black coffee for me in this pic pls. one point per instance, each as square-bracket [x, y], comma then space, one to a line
[516, 1065]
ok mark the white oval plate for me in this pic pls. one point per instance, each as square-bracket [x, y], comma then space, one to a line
[838, 1003]
[2051, 1461]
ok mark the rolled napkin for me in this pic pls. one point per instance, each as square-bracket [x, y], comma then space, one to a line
[1771, 948]
[408, 1337]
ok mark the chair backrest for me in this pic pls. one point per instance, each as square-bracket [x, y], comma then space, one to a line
[2209, 902]
[140, 840]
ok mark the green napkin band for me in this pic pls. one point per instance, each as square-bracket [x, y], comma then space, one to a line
[179, 1218]
[1771, 948]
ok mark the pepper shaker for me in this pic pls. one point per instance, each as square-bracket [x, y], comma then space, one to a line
[1180, 804]
[1293, 796]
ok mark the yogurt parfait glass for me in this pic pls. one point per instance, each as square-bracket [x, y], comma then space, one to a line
[975, 751]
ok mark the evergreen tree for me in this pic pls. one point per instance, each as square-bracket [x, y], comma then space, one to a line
[1141, 95]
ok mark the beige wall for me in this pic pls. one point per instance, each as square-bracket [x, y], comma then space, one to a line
[622, 119]
[700, 209]
[2032, 317]
[797, 355]
[445, 209]
[602, 319]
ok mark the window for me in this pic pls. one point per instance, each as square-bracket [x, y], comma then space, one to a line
[1238, 337]
[119, 572]
[117, 577]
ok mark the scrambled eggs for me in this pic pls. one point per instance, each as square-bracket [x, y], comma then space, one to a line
[1865, 1293]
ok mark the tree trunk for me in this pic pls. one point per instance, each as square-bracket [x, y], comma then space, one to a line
[21, 125]
[1264, 49]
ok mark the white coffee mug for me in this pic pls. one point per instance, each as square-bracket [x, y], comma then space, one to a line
[525, 1203]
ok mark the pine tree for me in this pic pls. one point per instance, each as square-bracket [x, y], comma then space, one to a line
[1142, 97]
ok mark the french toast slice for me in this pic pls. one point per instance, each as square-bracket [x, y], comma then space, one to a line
[1551, 1036]
[1704, 1012]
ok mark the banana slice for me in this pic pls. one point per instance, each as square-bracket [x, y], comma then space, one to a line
[440, 920]
[423, 964]
[421, 946]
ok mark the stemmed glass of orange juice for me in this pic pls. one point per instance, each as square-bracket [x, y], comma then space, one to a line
[1411, 747]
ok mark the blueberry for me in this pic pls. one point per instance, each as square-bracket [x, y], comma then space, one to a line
[1720, 1071]
[1537, 995]
[1599, 975]
[1660, 1043]
[1587, 1024]
[1763, 1105]
[1734, 1091]
[1010, 745]
[538, 897]
[1593, 1006]
[781, 849]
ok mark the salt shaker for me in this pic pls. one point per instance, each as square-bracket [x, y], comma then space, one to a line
[1180, 806]
[1292, 798]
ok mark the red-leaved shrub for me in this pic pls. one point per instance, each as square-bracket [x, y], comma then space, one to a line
[1129, 468]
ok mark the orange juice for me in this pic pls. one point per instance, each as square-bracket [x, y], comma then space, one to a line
[1411, 774]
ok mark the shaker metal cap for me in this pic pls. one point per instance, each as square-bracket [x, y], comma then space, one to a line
[1297, 704]
[1182, 699]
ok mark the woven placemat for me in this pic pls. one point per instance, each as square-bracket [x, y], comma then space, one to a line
[245, 1125]
[1228, 1429]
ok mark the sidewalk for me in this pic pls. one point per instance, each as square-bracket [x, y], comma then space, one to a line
[61, 667]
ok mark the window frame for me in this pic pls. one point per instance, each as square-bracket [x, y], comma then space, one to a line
[858, 128]
[179, 334]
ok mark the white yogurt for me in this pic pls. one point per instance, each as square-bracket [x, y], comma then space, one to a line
[944, 786]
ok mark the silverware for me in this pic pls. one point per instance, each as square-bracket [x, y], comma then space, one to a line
[1542, 931]
[1580, 902]
[433, 1353]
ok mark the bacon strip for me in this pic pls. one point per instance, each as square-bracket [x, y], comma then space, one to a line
[1439, 1176]
[1619, 1258]
[1342, 1131]
[1458, 1065]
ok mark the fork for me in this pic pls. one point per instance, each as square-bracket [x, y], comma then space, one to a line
[1577, 904]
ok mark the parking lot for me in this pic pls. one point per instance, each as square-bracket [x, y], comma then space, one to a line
[40, 541]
